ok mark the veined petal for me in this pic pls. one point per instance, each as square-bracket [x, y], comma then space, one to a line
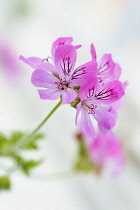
[111, 92]
[106, 66]
[83, 74]
[106, 120]
[93, 52]
[86, 124]
[51, 94]
[65, 59]
[68, 95]
[88, 89]
[41, 78]
[59, 42]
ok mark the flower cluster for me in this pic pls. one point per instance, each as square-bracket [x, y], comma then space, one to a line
[94, 86]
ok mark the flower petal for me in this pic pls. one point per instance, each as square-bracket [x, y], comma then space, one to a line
[110, 92]
[78, 110]
[41, 78]
[61, 41]
[106, 66]
[116, 71]
[87, 90]
[86, 125]
[78, 46]
[93, 52]
[65, 59]
[83, 74]
[38, 63]
[32, 61]
[51, 94]
[106, 120]
[68, 96]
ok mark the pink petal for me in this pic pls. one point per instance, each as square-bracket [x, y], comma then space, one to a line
[125, 84]
[83, 74]
[106, 120]
[111, 92]
[116, 71]
[78, 110]
[32, 61]
[41, 78]
[93, 52]
[89, 87]
[106, 66]
[68, 96]
[38, 63]
[60, 41]
[65, 59]
[86, 125]
[78, 46]
[51, 94]
[117, 106]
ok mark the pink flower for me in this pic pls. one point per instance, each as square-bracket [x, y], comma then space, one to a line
[107, 154]
[107, 69]
[96, 101]
[59, 78]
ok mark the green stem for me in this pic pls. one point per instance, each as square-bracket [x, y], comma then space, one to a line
[27, 138]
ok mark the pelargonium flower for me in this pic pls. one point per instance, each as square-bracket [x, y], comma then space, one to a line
[60, 77]
[107, 69]
[106, 154]
[96, 101]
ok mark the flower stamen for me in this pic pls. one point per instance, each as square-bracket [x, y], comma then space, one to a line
[90, 109]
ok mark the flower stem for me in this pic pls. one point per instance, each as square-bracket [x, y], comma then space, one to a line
[27, 138]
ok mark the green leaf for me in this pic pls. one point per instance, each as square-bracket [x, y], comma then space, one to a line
[29, 165]
[5, 145]
[5, 183]
[16, 136]
[26, 165]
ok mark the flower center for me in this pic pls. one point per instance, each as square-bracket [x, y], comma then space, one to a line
[62, 85]
[90, 109]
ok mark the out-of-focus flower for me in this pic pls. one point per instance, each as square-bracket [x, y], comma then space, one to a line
[106, 154]
[96, 101]
[60, 77]
[9, 64]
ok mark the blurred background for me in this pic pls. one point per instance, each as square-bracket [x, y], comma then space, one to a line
[28, 28]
